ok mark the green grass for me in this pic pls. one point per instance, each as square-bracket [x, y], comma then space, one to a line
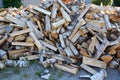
[26, 75]
[59, 73]
[16, 70]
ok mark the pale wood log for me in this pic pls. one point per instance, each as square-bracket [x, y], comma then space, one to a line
[37, 33]
[101, 49]
[58, 23]
[66, 68]
[22, 44]
[61, 51]
[73, 48]
[3, 40]
[14, 20]
[96, 16]
[76, 36]
[79, 24]
[84, 12]
[65, 15]
[3, 13]
[47, 24]
[54, 11]
[88, 69]
[68, 52]
[84, 52]
[39, 26]
[62, 41]
[42, 10]
[37, 43]
[49, 45]
[31, 57]
[107, 21]
[91, 47]
[94, 62]
[20, 32]
[64, 6]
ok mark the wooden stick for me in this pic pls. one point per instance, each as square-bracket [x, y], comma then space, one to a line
[84, 12]
[37, 43]
[65, 15]
[88, 69]
[94, 62]
[64, 6]
[66, 68]
[22, 44]
[20, 32]
[14, 20]
[42, 10]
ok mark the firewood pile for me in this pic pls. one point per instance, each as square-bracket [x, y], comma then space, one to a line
[65, 35]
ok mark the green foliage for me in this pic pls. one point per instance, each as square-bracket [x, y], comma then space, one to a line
[12, 3]
[25, 75]
[116, 2]
[104, 2]
[16, 70]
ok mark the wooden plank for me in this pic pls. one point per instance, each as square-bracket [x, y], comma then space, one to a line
[65, 15]
[84, 12]
[37, 43]
[14, 20]
[20, 32]
[64, 6]
[88, 69]
[42, 10]
[94, 62]
[66, 68]
[22, 44]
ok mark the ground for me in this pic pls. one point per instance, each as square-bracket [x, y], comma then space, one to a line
[14, 73]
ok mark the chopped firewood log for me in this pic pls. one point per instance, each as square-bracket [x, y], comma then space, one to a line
[76, 36]
[3, 40]
[22, 44]
[107, 21]
[42, 10]
[89, 16]
[106, 58]
[94, 62]
[58, 23]
[84, 52]
[84, 12]
[20, 38]
[31, 57]
[66, 68]
[65, 15]
[39, 26]
[64, 6]
[29, 39]
[96, 16]
[62, 41]
[118, 55]
[20, 32]
[48, 25]
[77, 27]
[49, 45]
[112, 52]
[73, 48]
[68, 51]
[14, 20]
[88, 69]
[54, 11]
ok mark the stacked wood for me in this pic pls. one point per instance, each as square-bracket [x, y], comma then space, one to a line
[60, 36]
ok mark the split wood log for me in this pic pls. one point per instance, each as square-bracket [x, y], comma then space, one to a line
[68, 51]
[20, 32]
[3, 40]
[64, 6]
[106, 58]
[66, 68]
[88, 69]
[62, 41]
[65, 15]
[84, 52]
[37, 43]
[77, 27]
[58, 23]
[107, 21]
[76, 36]
[47, 25]
[94, 62]
[22, 44]
[73, 48]
[14, 20]
[42, 10]
[31, 57]
[48, 45]
[84, 12]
